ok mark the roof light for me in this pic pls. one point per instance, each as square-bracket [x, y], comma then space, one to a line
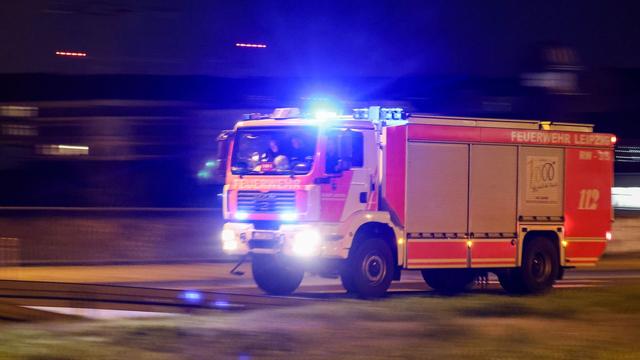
[253, 116]
[614, 139]
[361, 113]
[285, 113]
[379, 113]
[392, 114]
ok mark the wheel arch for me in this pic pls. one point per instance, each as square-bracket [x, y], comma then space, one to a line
[535, 235]
[377, 229]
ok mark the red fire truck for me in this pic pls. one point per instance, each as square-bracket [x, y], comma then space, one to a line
[367, 195]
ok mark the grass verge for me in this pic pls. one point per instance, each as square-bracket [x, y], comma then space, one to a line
[589, 323]
[617, 262]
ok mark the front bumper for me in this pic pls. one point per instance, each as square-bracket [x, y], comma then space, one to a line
[299, 240]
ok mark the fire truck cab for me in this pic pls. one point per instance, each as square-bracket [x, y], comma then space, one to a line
[366, 195]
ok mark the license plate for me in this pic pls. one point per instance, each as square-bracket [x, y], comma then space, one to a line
[261, 235]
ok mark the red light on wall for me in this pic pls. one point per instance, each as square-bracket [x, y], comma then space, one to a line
[71, 53]
[246, 45]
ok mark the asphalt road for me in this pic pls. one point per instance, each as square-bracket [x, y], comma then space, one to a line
[314, 286]
[216, 277]
[30, 293]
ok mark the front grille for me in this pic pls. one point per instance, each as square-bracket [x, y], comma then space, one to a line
[267, 202]
[265, 225]
[263, 244]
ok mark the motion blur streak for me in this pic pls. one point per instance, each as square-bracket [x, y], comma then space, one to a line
[69, 53]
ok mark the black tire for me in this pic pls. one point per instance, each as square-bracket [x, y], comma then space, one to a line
[561, 273]
[509, 280]
[275, 275]
[346, 278]
[539, 271]
[540, 266]
[449, 281]
[369, 269]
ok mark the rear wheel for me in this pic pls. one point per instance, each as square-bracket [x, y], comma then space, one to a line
[448, 281]
[276, 276]
[539, 271]
[540, 266]
[509, 280]
[369, 269]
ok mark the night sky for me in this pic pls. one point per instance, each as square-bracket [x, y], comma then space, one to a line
[310, 38]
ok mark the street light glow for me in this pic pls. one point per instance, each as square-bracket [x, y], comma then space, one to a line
[71, 53]
[248, 45]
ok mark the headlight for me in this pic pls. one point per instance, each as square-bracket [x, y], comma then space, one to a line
[306, 243]
[289, 216]
[229, 242]
[241, 215]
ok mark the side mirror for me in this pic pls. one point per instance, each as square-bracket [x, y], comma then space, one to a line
[344, 164]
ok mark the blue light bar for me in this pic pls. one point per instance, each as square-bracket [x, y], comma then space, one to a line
[361, 113]
[379, 113]
[253, 116]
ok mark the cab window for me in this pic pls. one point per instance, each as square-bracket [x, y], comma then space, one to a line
[337, 156]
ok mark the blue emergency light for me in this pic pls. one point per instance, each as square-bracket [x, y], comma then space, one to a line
[375, 113]
[253, 116]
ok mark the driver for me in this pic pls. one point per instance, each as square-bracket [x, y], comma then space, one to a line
[272, 152]
[297, 153]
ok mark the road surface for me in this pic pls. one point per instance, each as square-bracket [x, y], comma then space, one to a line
[215, 277]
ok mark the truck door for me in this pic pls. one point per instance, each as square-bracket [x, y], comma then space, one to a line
[493, 178]
[349, 170]
[436, 210]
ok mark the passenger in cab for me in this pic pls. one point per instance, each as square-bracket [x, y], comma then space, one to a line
[297, 153]
[272, 152]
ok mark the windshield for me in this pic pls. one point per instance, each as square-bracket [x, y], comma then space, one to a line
[274, 151]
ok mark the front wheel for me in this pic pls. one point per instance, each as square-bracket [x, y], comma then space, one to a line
[369, 269]
[347, 280]
[274, 275]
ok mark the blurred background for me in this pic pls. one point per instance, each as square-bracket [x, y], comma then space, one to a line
[110, 110]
